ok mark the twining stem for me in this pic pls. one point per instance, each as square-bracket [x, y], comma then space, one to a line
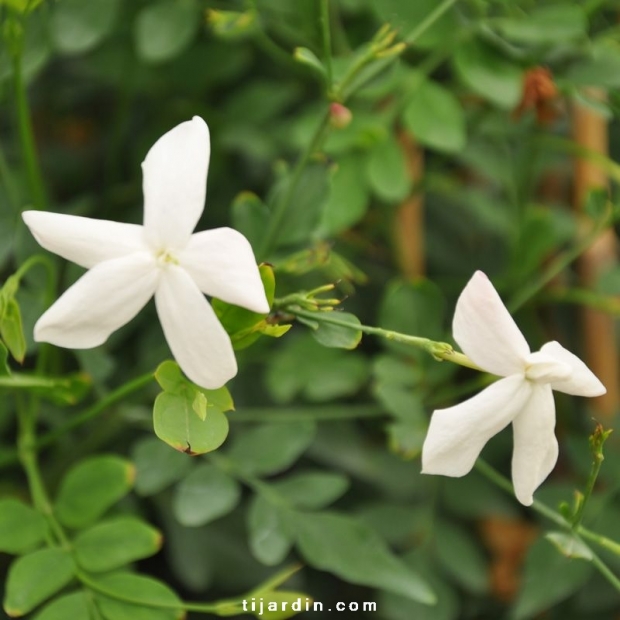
[77, 420]
[26, 135]
[340, 92]
[281, 206]
[439, 350]
[580, 532]
[559, 263]
[597, 440]
[99, 407]
[26, 447]
[430, 19]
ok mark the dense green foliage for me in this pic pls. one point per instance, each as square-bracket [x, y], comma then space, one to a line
[311, 454]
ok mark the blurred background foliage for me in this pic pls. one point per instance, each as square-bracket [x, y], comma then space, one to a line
[472, 146]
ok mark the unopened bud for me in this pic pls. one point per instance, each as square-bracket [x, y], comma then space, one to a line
[339, 116]
[395, 50]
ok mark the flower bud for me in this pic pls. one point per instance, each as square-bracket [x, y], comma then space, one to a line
[339, 116]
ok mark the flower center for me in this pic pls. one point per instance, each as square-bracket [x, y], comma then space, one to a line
[543, 368]
[165, 258]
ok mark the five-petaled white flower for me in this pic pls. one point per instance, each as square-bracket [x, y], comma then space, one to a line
[486, 333]
[128, 264]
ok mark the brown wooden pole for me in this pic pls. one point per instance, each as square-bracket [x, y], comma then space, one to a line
[408, 232]
[599, 331]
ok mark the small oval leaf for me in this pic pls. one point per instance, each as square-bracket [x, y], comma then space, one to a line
[114, 543]
[205, 495]
[176, 423]
[91, 487]
[33, 578]
[21, 527]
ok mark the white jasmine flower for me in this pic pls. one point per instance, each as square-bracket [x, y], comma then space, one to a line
[128, 264]
[488, 335]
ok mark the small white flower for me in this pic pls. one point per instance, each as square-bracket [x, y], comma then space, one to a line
[487, 334]
[128, 264]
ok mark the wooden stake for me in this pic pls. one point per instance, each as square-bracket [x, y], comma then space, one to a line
[409, 219]
[590, 130]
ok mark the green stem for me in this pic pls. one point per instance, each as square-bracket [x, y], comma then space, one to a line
[7, 179]
[26, 446]
[560, 263]
[327, 44]
[99, 407]
[279, 211]
[26, 134]
[439, 350]
[596, 467]
[430, 19]
[9, 458]
[580, 532]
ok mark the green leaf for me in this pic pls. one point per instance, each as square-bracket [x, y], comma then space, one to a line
[546, 25]
[144, 592]
[91, 487]
[538, 592]
[205, 495]
[269, 449]
[21, 527]
[11, 328]
[68, 607]
[348, 196]
[245, 326]
[461, 558]
[387, 171]
[78, 26]
[435, 117]
[307, 57]
[276, 605]
[112, 544]
[354, 552]
[407, 15]
[312, 490]
[413, 308]
[337, 336]
[33, 578]
[232, 24]
[171, 379]
[488, 73]
[306, 204]
[321, 373]
[176, 423]
[157, 467]
[269, 540]
[250, 216]
[602, 68]
[67, 390]
[164, 29]
[5, 370]
[397, 607]
[570, 546]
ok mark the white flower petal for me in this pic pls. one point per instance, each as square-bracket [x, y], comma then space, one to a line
[544, 368]
[485, 331]
[102, 300]
[535, 446]
[83, 240]
[222, 264]
[582, 382]
[196, 338]
[457, 435]
[175, 184]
